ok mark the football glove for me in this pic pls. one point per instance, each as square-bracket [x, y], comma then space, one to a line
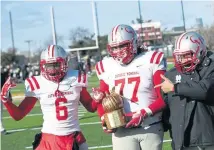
[136, 118]
[98, 95]
[6, 88]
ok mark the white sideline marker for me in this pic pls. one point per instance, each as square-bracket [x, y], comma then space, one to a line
[38, 128]
[104, 146]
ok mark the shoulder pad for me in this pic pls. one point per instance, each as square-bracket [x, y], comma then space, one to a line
[156, 57]
[103, 66]
[75, 77]
[32, 86]
[99, 68]
[32, 83]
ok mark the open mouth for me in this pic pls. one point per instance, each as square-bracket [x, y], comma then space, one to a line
[187, 66]
[54, 74]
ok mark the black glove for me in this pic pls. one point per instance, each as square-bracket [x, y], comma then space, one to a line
[37, 140]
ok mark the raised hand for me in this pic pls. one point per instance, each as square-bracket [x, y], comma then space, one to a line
[10, 83]
[166, 85]
[98, 95]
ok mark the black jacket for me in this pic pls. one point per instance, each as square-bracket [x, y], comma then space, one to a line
[4, 76]
[190, 109]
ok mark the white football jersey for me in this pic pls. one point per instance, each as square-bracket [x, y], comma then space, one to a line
[133, 81]
[60, 114]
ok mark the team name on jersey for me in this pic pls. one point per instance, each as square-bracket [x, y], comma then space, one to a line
[126, 74]
[64, 93]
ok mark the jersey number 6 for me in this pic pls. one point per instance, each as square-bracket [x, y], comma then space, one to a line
[122, 83]
[61, 111]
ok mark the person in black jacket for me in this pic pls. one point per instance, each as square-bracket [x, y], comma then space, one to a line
[188, 90]
[4, 76]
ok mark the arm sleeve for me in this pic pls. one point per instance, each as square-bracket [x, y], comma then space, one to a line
[18, 112]
[104, 88]
[159, 103]
[201, 90]
[87, 101]
[102, 74]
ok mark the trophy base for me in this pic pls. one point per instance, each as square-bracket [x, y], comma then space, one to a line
[115, 119]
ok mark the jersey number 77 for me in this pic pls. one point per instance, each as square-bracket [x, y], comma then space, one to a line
[132, 80]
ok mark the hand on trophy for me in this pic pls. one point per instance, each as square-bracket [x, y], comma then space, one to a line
[98, 95]
[113, 108]
[105, 129]
[136, 118]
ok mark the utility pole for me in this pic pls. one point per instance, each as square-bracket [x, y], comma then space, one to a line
[183, 16]
[141, 21]
[53, 26]
[11, 30]
[29, 51]
[96, 25]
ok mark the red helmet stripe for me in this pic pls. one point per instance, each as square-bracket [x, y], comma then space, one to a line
[49, 50]
[112, 34]
[114, 31]
[179, 41]
[52, 51]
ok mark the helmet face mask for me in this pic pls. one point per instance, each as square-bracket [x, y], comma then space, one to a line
[185, 62]
[121, 52]
[190, 49]
[54, 68]
[122, 44]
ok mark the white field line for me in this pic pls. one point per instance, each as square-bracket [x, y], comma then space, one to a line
[100, 147]
[38, 128]
[38, 105]
[80, 114]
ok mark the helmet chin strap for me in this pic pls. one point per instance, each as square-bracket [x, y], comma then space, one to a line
[58, 93]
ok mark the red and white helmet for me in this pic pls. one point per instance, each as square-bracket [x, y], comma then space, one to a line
[54, 63]
[190, 49]
[122, 43]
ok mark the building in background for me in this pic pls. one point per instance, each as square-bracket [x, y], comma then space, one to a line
[199, 23]
[150, 32]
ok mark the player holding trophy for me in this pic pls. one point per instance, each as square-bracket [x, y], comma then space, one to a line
[132, 112]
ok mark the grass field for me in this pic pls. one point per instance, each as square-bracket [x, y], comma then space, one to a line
[21, 133]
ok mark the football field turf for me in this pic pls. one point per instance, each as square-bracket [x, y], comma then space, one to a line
[21, 133]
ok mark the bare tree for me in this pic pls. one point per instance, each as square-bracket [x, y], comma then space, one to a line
[49, 41]
[79, 33]
[81, 37]
[208, 34]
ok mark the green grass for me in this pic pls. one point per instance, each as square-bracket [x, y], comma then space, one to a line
[19, 140]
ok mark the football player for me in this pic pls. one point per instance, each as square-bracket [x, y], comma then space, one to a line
[133, 75]
[58, 90]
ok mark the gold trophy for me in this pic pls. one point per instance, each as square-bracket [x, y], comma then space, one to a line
[114, 112]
